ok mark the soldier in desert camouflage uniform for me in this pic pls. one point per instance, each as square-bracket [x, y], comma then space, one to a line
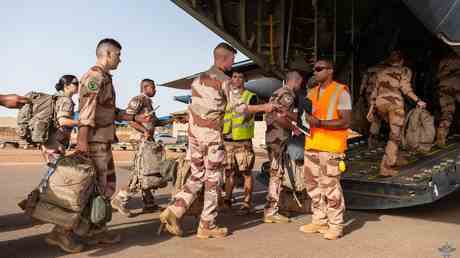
[140, 104]
[368, 81]
[449, 94]
[59, 137]
[387, 103]
[210, 95]
[55, 147]
[276, 137]
[97, 129]
[324, 148]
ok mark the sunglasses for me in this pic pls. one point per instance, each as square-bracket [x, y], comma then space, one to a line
[320, 68]
[75, 83]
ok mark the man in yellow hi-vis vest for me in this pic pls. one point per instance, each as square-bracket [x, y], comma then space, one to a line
[325, 149]
[238, 132]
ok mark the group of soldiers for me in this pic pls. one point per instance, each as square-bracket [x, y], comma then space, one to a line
[221, 125]
[384, 87]
[220, 130]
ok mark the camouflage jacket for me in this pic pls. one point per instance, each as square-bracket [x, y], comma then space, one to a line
[391, 83]
[59, 137]
[276, 134]
[369, 80]
[210, 95]
[97, 105]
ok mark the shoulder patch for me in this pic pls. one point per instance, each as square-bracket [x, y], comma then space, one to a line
[92, 85]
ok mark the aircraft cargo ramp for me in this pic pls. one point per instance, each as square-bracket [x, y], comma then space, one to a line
[425, 179]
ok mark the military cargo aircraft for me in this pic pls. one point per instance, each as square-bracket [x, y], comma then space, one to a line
[278, 35]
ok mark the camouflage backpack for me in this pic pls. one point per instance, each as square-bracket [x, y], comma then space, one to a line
[147, 167]
[419, 131]
[35, 120]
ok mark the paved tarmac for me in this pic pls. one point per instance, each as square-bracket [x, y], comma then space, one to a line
[409, 232]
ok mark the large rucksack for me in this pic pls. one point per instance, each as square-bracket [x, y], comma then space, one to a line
[35, 120]
[71, 183]
[66, 191]
[147, 167]
[419, 131]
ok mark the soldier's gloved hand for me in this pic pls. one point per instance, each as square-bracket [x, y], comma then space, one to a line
[421, 104]
[143, 118]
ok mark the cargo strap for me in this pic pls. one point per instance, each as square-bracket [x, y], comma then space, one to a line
[44, 182]
[286, 161]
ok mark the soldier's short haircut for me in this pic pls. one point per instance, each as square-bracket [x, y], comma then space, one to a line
[103, 44]
[293, 75]
[146, 80]
[225, 46]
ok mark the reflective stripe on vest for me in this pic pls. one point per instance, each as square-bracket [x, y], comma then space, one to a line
[240, 125]
[325, 108]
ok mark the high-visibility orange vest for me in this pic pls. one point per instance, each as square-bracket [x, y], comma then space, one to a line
[325, 108]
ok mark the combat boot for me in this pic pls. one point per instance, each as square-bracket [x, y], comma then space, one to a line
[63, 239]
[120, 206]
[440, 142]
[333, 233]
[171, 223]
[276, 218]
[441, 135]
[215, 232]
[314, 228]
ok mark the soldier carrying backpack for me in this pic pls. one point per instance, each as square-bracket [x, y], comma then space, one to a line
[48, 121]
[146, 176]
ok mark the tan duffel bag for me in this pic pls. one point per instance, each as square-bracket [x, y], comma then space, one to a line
[71, 184]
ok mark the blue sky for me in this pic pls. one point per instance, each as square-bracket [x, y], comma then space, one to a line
[42, 40]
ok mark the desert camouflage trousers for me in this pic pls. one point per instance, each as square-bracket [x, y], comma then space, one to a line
[206, 171]
[447, 100]
[239, 161]
[394, 115]
[275, 152]
[322, 178]
[101, 154]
